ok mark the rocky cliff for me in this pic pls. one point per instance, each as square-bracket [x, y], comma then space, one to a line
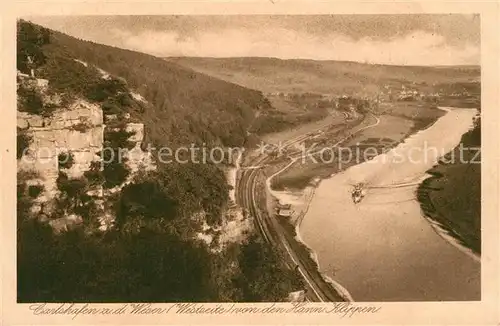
[77, 128]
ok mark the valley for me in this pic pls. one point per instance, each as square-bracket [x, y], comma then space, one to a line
[270, 224]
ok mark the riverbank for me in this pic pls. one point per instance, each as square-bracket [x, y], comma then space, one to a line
[303, 170]
[378, 133]
[301, 200]
[451, 196]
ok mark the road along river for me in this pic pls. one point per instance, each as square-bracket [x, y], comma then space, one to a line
[384, 249]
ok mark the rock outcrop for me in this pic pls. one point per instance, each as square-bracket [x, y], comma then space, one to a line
[77, 129]
[138, 159]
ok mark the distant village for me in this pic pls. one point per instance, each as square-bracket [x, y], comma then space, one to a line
[388, 93]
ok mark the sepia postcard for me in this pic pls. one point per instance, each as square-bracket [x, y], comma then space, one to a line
[272, 162]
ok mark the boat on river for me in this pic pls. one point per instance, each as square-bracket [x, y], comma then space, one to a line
[358, 193]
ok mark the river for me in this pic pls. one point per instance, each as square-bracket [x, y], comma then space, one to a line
[384, 249]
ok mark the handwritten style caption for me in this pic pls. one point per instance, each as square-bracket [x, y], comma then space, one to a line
[342, 309]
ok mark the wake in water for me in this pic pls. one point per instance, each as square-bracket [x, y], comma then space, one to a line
[360, 191]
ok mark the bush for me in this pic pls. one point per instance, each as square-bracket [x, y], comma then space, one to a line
[119, 138]
[124, 99]
[24, 201]
[105, 88]
[35, 190]
[23, 204]
[118, 103]
[94, 175]
[23, 142]
[67, 76]
[72, 188]
[147, 199]
[73, 192]
[30, 39]
[110, 107]
[89, 211]
[65, 160]
[30, 100]
[80, 127]
[115, 173]
[264, 274]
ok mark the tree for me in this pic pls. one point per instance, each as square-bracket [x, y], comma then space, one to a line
[29, 100]
[35, 190]
[30, 39]
[144, 267]
[65, 160]
[119, 138]
[105, 88]
[115, 171]
[23, 142]
[264, 276]
[24, 201]
[147, 199]
[94, 175]
[73, 191]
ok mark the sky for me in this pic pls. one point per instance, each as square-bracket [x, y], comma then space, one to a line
[451, 39]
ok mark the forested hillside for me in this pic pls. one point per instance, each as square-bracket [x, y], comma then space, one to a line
[186, 106]
[153, 253]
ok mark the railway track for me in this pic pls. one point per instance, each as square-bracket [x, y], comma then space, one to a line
[317, 289]
[297, 257]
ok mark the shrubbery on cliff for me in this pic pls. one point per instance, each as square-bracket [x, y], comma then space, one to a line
[23, 142]
[115, 170]
[175, 191]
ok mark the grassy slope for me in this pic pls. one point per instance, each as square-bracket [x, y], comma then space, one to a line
[326, 77]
